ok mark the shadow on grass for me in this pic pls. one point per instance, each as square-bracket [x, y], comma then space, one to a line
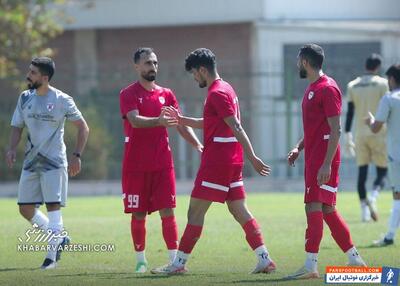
[129, 275]
[277, 280]
[18, 269]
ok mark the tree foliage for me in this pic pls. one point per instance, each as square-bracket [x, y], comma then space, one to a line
[25, 28]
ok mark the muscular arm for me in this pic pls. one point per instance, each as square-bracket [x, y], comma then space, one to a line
[188, 134]
[139, 121]
[74, 164]
[324, 173]
[82, 136]
[244, 140]
[15, 138]
[191, 121]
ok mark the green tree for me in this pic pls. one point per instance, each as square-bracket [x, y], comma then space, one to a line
[25, 29]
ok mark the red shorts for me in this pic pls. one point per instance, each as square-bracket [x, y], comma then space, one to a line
[219, 183]
[148, 191]
[325, 193]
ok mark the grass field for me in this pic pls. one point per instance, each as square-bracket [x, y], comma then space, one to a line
[221, 257]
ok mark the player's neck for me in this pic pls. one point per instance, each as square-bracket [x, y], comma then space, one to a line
[315, 75]
[212, 78]
[43, 90]
[147, 85]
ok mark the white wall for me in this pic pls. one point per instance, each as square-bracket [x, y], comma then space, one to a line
[131, 13]
[333, 10]
[88, 14]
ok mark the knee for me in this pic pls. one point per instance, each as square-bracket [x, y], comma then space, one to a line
[139, 216]
[166, 212]
[27, 211]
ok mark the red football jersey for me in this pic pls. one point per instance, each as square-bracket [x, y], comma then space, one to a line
[220, 145]
[322, 99]
[146, 149]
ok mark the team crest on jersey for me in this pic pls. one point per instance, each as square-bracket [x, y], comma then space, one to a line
[310, 94]
[161, 99]
[50, 106]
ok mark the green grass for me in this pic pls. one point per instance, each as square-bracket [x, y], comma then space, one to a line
[221, 256]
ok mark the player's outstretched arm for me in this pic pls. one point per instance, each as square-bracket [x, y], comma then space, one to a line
[74, 164]
[295, 152]
[15, 138]
[243, 139]
[183, 120]
[187, 133]
[139, 121]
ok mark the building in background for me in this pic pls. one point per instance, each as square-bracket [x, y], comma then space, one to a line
[256, 43]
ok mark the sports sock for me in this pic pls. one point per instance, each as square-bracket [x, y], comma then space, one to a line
[40, 220]
[170, 232]
[339, 230]
[394, 220]
[253, 233]
[314, 231]
[55, 226]
[138, 232]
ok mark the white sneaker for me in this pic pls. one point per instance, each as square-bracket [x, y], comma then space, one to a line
[264, 266]
[169, 269]
[303, 273]
[141, 267]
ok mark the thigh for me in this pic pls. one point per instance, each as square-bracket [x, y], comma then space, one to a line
[325, 193]
[54, 186]
[135, 192]
[236, 187]
[163, 193]
[29, 190]
[363, 152]
[378, 151]
[212, 183]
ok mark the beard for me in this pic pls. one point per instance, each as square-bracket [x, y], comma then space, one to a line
[33, 85]
[150, 76]
[302, 72]
[202, 84]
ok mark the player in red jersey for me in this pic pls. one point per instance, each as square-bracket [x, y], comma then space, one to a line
[321, 108]
[219, 178]
[148, 178]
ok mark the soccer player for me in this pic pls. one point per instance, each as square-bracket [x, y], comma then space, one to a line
[364, 94]
[148, 177]
[219, 178]
[42, 110]
[389, 112]
[321, 108]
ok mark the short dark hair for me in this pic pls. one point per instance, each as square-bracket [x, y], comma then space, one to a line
[140, 51]
[314, 55]
[373, 62]
[45, 65]
[394, 71]
[201, 57]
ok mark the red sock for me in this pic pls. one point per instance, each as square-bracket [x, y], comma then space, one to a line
[339, 230]
[170, 232]
[314, 231]
[189, 238]
[253, 233]
[138, 232]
